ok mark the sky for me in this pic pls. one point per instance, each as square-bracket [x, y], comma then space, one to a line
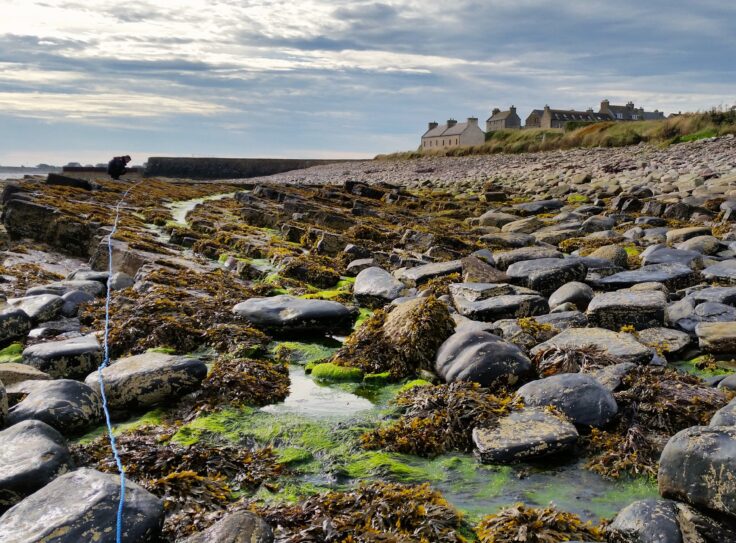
[85, 80]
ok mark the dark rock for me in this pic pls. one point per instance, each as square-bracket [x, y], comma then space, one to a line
[357, 266]
[721, 295]
[82, 506]
[50, 329]
[3, 404]
[613, 310]
[60, 288]
[89, 275]
[476, 270]
[72, 301]
[237, 527]
[524, 435]
[66, 181]
[44, 307]
[659, 254]
[507, 258]
[71, 358]
[646, 521]
[14, 323]
[69, 406]
[622, 346]
[375, 287]
[717, 337]
[121, 281]
[32, 454]
[540, 206]
[290, 314]
[574, 292]
[546, 274]
[148, 379]
[480, 357]
[611, 376]
[502, 307]
[723, 273]
[673, 276]
[706, 312]
[725, 416]
[580, 397]
[419, 275]
[697, 467]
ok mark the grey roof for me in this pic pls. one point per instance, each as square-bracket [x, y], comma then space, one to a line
[500, 116]
[572, 115]
[538, 112]
[442, 130]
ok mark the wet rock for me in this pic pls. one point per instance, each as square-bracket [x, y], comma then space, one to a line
[32, 454]
[697, 467]
[717, 337]
[11, 373]
[646, 521]
[289, 314]
[524, 435]
[502, 307]
[688, 320]
[573, 292]
[725, 416]
[66, 181]
[44, 307]
[375, 287]
[673, 276]
[480, 357]
[72, 301]
[414, 277]
[148, 379]
[14, 323]
[641, 310]
[551, 325]
[723, 273]
[660, 254]
[237, 527]
[622, 346]
[69, 406]
[66, 327]
[580, 397]
[546, 274]
[507, 258]
[72, 358]
[82, 506]
[477, 270]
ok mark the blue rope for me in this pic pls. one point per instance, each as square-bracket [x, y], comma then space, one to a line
[105, 363]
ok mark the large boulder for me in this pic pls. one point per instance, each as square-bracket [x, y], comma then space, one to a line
[474, 355]
[237, 527]
[413, 277]
[723, 273]
[82, 506]
[12, 372]
[507, 258]
[32, 454]
[375, 287]
[71, 358]
[546, 274]
[69, 406]
[717, 337]
[148, 379]
[697, 466]
[580, 397]
[477, 270]
[291, 314]
[524, 435]
[673, 276]
[725, 416]
[573, 292]
[502, 307]
[646, 521]
[640, 309]
[14, 323]
[40, 308]
[622, 346]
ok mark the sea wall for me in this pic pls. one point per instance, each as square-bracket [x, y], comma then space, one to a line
[225, 168]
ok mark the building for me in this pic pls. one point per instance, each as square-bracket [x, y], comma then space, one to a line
[558, 118]
[629, 112]
[503, 120]
[453, 134]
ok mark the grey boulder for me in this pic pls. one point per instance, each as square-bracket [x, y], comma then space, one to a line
[573, 292]
[640, 309]
[237, 527]
[289, 314]
[646, 521]
[14, 323]
[622, 346]
[546, 274]
[41, 308]
[375, 287]
[71, 358]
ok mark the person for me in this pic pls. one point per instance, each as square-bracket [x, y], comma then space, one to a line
[117, 166]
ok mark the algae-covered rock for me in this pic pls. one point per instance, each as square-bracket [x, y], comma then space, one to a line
[622, 346]
[646, 521]
[311, 269]
[613, 310]
[237, 527]
[546, 274]
[333, 373]
[14, 323]
[71, 358]
[82, 506]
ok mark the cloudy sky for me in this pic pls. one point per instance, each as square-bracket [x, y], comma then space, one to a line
[82, 80]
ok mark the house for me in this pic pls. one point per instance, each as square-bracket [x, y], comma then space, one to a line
[503, 120]
[629, 112]
[558, 118]
[453, 134]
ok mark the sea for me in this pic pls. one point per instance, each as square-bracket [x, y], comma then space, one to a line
[19, 174]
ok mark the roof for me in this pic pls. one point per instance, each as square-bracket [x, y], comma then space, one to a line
[500, 116]
[537, 112]
[572, 115]
[442, 130]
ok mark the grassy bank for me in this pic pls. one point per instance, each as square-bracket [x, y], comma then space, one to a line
[687, 127]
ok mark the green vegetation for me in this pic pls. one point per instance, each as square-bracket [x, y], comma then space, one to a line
[296, 352]
[703, 366]
[683, 128]
[577, 199]
[12, 353]
[154, 417]
[333, 373]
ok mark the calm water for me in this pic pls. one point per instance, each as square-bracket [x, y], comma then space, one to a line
[20, 174]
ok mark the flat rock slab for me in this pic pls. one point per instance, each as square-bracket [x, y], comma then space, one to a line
[723, 273]
[640, 309]
[502, 307]
[69, 406]
[237, 527]
[148, 379]
[82, 506]
[59, 288]
[524, 435]
[14, 323]
[673, 276]
[546, 274]
[32, 454]
[667, 255]
[717, 337]
[12, 373]
[697, 466]
[507, 240]
[476, 270]
[671, 342]
[41, 308]
[71, 358]
[540, 206]
[481, 357]
[622, 346]
[507, 258]
[413, 277]
[375, 287]
[580, 397]
[290, 314]
[721, 295]
[474, 292]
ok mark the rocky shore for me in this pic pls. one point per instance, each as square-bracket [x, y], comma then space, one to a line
[508, 348]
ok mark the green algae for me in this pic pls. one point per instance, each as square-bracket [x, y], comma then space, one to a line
[163, 350]
[12, 353]
[377, 378]
[624, 492]
[698, 367]
[577, 199]
[153, 417]
[342, 289]
[333, 373]
[303, 353]
[363, 315]
[413, 383]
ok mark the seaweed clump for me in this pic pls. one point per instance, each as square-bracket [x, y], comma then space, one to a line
[196, 482]
[615, 455]
[370, 513]
[521, 524]
[314, 270]
[554, 360]
[438, 419]
[401, 342]
[27, 275]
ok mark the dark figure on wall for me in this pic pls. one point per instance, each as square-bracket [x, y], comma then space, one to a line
[117, 166]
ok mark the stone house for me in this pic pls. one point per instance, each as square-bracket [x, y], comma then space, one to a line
[503, 120]
[629, 112]
[558, 118]
[453, 134]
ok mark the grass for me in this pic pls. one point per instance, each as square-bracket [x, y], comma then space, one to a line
[683, 128]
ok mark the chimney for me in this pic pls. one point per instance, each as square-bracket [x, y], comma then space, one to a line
[472, 121]
[589, 110]
[630, 105]
[512, 109]
[495, 110]
[432, 125]
[546, 108]
[451, 123]
[605, 104]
